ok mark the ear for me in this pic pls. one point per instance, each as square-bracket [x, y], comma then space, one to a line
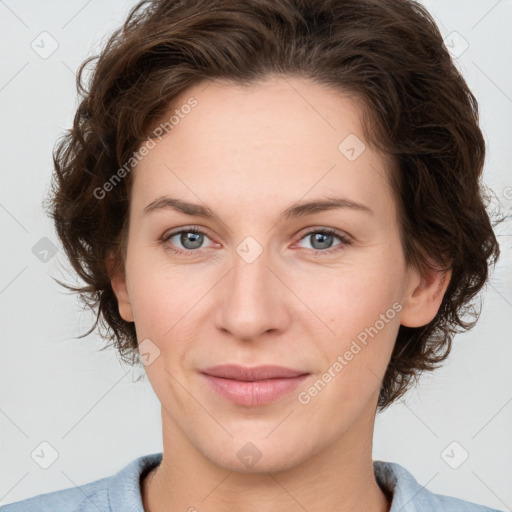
[118, 282]
[424, 296]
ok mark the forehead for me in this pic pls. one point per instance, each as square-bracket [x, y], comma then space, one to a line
[280, 140]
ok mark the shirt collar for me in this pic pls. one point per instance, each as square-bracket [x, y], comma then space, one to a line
[124, 487]
[407, 494]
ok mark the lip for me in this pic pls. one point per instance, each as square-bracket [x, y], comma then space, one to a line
[253, 386]
[246, 373]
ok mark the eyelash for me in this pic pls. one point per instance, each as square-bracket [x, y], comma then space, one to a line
[325, 231]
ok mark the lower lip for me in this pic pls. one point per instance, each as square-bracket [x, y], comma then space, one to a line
[252, 393]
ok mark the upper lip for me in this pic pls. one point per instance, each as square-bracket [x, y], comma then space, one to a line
[236, 372]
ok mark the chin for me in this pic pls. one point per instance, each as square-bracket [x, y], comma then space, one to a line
[262, 455]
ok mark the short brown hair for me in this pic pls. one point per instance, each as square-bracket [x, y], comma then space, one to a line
[418, 110]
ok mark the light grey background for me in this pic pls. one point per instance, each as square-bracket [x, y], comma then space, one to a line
[84, 403]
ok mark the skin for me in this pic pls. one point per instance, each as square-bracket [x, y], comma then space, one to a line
[248, 154]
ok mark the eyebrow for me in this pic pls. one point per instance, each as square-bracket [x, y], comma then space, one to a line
[300, 209]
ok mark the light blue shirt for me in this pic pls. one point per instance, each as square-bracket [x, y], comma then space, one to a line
[121, 493]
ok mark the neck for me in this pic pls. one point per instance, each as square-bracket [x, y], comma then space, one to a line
[339, 478]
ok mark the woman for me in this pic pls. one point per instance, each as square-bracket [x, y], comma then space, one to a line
[276, 209]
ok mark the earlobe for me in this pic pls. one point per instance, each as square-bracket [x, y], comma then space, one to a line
[424, 296]
[118, 283]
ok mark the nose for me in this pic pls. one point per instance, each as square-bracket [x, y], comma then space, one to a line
[253, 300]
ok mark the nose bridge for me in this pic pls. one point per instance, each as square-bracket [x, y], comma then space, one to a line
[252, 301]
[250, 272]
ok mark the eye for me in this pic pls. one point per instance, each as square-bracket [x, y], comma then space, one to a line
[191, 239]
[322, 240]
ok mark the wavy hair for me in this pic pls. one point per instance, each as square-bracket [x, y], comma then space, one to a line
[418, 110]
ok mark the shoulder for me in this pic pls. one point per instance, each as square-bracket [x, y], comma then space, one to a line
[73, 498]
[113, 493]
[410, 496]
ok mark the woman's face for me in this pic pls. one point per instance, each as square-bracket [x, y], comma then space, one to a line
[263, 283]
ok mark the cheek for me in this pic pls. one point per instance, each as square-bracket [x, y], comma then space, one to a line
[165, 306]
[361, 307]
[162, 295]
[351, 299]
[363, 314]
